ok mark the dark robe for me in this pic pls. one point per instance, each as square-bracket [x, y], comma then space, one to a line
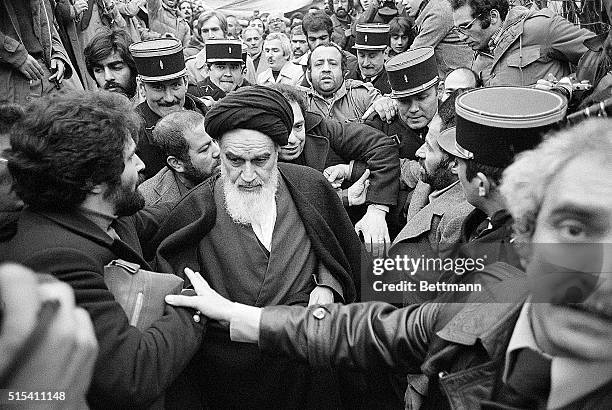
[236, 374]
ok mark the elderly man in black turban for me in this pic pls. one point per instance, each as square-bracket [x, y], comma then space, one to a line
[263, 233]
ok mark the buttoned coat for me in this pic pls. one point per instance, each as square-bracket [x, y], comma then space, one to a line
[133, 368]
[436, 224]
[532, 44]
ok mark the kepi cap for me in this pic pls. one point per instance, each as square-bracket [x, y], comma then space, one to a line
[412, 71]
[223, 51]
[372, 36]
[496, 123]
[160, 59]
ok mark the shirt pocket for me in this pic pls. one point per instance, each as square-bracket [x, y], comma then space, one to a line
[522, 57]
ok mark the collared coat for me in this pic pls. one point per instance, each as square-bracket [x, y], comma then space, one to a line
[163, 187]
[291, 74]
[532, 44]
[14, 86]
[434, 28]
[133, 368]
[436, 224]
[349, 104]
[459, 348]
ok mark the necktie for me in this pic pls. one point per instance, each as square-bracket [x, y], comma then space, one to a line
[530, 375]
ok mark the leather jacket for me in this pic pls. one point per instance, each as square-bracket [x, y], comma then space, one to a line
[456, 348]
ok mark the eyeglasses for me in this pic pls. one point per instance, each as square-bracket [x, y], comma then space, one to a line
[463, 28]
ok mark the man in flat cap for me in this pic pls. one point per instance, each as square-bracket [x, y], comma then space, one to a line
[225, 70]
[371, 44]
[162, 79]
[264, 233]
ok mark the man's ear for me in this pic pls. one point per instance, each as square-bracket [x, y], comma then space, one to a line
[495, 17]
[175, 164]
[98, 189]
[484, 185]
[141, 87]
[454, 166]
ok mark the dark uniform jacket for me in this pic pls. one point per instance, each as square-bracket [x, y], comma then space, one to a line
[149, 153]
[133, 368]
[480, 237]
[330, 142]
[459, 348]
[409, 140]
[381, 82]
[206, 88]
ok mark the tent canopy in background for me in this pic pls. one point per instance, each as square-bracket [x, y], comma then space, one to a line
[244, 8]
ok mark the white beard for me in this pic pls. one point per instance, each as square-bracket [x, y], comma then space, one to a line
[250, 208]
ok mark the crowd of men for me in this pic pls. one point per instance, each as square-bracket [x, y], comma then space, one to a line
[287, 168]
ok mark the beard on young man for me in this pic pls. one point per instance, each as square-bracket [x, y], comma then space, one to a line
[127, 198]
[129, 91]
[441, 177]
[250, 207]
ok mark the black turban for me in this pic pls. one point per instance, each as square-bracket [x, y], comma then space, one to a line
[256, 108]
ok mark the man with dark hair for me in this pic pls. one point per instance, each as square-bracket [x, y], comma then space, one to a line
[350, 150]
[73, 162]
[272, 234]
[110, 63]
[342, 23]
[191, 157]
[299, 44]
[484, 149]
[163, 82]
[318, 28]
[401, 36]
[517, 46]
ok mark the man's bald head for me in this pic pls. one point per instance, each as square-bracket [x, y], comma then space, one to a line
[459, 79]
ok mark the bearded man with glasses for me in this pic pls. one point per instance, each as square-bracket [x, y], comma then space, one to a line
[517, 46]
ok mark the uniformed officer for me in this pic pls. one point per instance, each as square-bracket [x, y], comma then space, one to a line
[162, 79]
[371, 43]
[413, 76]
[493, 125]
[225, 63]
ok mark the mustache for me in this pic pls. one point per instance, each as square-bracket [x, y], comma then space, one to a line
[167, 104]
[112, 84]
